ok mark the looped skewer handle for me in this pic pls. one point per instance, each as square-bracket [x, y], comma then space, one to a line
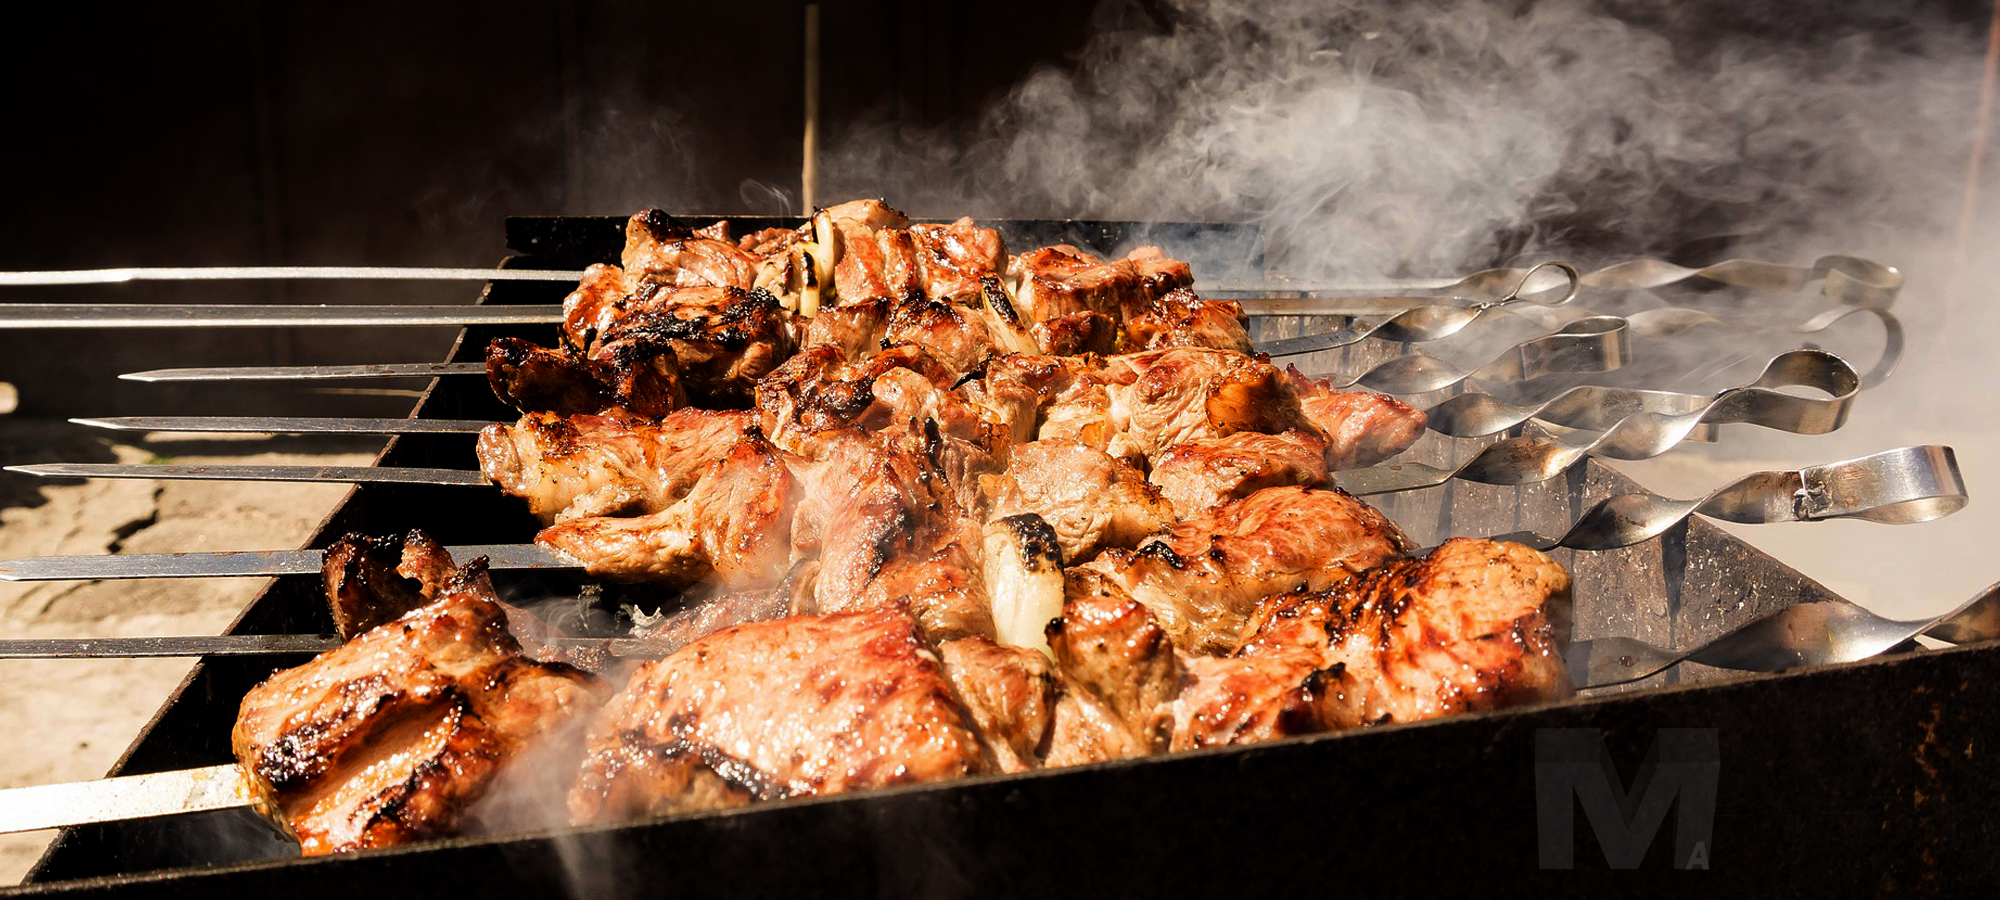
[1903, 486]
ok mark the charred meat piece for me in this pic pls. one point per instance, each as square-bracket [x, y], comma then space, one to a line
[1362, 427]
[799, 706]
[733, 527]
[1182, 319]
[956, 262]
[723, 339]
[1119, 673]
[390, 737]
[1204, 577]
[956, 336]
[1089, 498]
[1074, 334]
[1475, 625]
[1199, 475]
[569, 467]
[532, 378]
[1159, 276]
[853, 329]
[660, 251]
[817, 392]
[370, 581]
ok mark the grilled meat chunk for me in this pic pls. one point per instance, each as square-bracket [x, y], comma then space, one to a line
[874, 255]
[798, 706]
[1140, 404]
[660, 251]
[1060, 280]
[1202, 474]
[1090, 499]
[370, 581]
[1119, 673]
[1362, 427]
[1204, 577]
[733, 527]
[633, 379]
[1009, 694]
[1182, 319]
[1475, 625]
[569, 467]
[722, 338]
[390, 737]
[956, 262]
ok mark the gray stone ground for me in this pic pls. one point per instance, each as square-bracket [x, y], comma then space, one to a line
[69, 720]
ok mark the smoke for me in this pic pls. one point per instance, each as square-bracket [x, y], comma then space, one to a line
[1437, 137]
[1381, 139]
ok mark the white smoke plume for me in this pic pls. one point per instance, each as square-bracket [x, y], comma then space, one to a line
[1382, 139]
[1437, 137]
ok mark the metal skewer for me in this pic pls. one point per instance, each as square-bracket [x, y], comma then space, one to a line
[286, 425]
[1901, 486]
[1807, 634]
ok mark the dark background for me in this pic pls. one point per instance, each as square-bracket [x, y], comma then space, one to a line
[395, 133]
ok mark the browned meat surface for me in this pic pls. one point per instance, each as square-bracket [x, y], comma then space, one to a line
[370, 581]
[1119, 674]
[596, 304]
[1074, 334]
[956, 336]
[817, 392]
[1009, 694]
[723, 339]
[1182, 319]
[1203, 578]
[390, 737]
[1472, 626]
[1011, 391]
[799, 706]
[531, 378]
[659, 251]
[854, 329]
[1159, 276]
[732, 529]
[567, 467]
[1362, 427]
[874, 256]
[1060, 280]
[1202, 474]
[1140, 404]
[1092, 500]
[957, 261]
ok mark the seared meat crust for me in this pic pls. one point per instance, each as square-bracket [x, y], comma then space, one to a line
[797, 706]
[390, 737]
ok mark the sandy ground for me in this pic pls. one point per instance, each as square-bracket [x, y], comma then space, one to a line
[69, 720]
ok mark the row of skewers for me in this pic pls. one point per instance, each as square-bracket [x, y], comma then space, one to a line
[990, 512]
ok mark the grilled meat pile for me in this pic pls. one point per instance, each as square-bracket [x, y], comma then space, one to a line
[934, 510]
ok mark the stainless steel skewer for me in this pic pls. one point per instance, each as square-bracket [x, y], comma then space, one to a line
[1808, 634]
[286, 425]
[1901, 486]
